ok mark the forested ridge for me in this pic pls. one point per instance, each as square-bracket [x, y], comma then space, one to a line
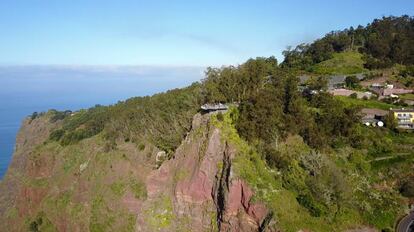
[383, 42]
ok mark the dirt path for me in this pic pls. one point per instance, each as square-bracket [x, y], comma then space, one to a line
[391, 157]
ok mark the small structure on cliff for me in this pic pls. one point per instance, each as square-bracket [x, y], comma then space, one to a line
[214, 107]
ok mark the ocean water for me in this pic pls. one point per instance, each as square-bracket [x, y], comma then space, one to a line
[26, 89]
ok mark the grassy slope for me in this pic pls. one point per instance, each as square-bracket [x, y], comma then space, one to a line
[365, 103]
[409, 96]
[342, 63]
[102, 209]
[401, 156]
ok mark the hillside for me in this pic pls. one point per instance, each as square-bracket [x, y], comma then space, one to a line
[83, 187]
[278, 159]
[341, 63]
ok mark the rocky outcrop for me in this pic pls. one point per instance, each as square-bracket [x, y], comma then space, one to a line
[199, 183]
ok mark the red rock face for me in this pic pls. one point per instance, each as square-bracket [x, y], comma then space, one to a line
[40, 168]
[14, 193]
[191, 181]
[239, 205]
[29, 199]
[157, 179]
[239, 197]
[196, 190]
[131, 203]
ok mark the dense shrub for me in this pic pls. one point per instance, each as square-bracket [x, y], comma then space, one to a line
[141, 146]
[59, 115]
[56, 135]
[163, 119]
[306, 201]
[351, 81]
[235, 84]
[407, 187]
[220, 116]
[34, 115]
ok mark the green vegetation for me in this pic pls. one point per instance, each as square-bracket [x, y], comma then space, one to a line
[348, 62]
[352, 82]
[163, 119]
[34, 115]
[41, 224]
[406, 76]
[160, 215]
[118, 188]
[141, 146]
[230, 84]
[383, 42]
[138, 188]
[407, 188]
[311, 190]
[373, 104]
[101, 219]
[311, 151]
[180, 175]
[248, 163]
[408, 96]
[104, 218]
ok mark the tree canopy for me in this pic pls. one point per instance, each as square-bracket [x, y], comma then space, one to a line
[383, 42]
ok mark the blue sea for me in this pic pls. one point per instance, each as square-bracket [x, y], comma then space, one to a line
[26, 89]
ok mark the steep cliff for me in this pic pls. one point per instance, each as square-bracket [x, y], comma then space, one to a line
[85, 187]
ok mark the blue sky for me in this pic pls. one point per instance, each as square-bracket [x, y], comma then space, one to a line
[172, 33]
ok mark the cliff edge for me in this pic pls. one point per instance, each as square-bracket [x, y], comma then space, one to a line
[85, 187]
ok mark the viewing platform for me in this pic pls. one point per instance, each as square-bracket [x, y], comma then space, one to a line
[214, 107]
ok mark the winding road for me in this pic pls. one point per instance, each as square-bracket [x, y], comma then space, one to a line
[407, 223]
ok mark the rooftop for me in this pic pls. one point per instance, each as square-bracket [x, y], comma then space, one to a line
[332, 79]
[402, 110]
[379, 112]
